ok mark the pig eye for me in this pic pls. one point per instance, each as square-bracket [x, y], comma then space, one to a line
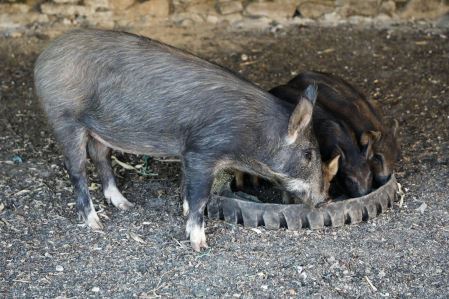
[308, 154]
[378, 158]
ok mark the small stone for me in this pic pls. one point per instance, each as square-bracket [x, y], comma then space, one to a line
[229, 7]
[388, 8]
[422, 208]
[187, 19]
[332, 18]
[17, 159]
[95, 289]
[15, 34]
[187, 23]
[232, 18]
[59, 268]
[213, 19]
[67, 21]
[264, 287]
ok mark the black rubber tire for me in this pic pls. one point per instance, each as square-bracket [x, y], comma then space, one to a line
[297, 216]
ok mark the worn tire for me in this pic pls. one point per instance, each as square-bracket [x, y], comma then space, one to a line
[297, 216]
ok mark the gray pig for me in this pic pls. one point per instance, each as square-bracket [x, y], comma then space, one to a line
[104, 90]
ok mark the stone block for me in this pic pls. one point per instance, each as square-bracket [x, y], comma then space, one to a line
[98, 3]
[229, 7]
[316, 9]
[14, 8]
[66, 10]
[367, 8]
[156, 8]
[10, 21]
[66, 1]
[272, 10]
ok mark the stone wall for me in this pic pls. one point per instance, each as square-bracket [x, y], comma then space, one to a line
[28, 14]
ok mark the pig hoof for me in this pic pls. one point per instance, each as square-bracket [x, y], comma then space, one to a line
[124, 205]
[114, 196]
[197, 236]
[93, 221]
[185, 208]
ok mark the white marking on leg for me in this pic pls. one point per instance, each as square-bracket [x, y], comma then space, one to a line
[113, 195]
[197, 235]
[185, 207]
[93, 221]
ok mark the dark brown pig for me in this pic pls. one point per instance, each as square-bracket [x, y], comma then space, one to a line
[350, 105]
[336, 139]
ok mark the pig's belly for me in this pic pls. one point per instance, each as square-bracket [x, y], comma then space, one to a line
[138, 129]
[138, 146]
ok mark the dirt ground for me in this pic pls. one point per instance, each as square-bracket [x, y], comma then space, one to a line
[45, 252]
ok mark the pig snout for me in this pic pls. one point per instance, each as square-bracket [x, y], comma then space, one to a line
[358, 186]
[305, 193]
[381, 179]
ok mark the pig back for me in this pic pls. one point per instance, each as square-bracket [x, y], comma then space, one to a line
[343, 100]
[135, 88]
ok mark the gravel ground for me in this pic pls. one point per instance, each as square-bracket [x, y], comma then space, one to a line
[47, 253]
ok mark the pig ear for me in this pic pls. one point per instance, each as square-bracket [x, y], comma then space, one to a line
[301, 116]
[395, 127]
[332, 166]
[367, 150]
[370, 137]
[339, 152]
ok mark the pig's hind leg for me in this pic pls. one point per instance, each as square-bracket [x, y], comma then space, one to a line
[198, 179]
[100, 155]
[73, 138]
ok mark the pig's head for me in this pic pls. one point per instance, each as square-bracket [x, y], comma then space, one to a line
[382, 152]
[296, 162]
[354, 174]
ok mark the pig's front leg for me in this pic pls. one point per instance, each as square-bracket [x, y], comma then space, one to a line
[198, 179]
